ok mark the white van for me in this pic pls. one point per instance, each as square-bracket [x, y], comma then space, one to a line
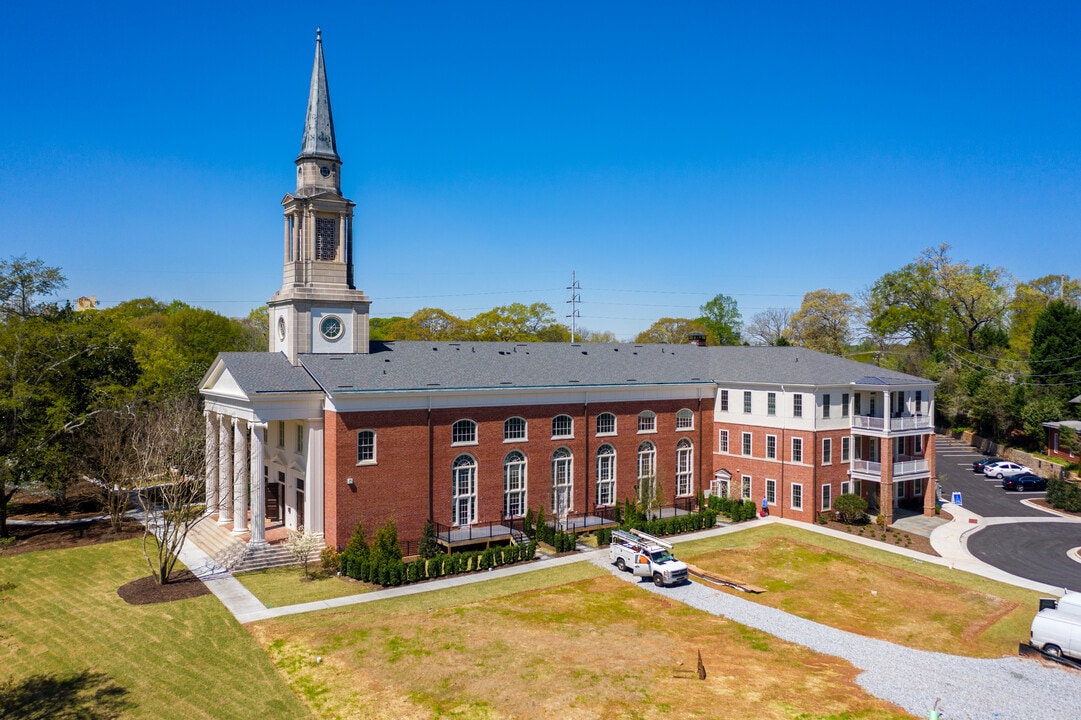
[1056, 629]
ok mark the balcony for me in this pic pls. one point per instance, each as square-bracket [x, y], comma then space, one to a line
[896, 424]
[903, 469]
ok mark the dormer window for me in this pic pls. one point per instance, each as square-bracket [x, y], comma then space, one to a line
[326, 238]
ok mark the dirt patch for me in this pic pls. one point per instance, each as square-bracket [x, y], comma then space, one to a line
[182, 585]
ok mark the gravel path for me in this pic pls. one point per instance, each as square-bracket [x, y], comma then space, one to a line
[1003, 688]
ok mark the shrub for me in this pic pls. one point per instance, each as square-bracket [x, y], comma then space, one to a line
[851, 508]
[385, 548]
[331, 560]
[428, 546]
[1064, 495]
[529, 526]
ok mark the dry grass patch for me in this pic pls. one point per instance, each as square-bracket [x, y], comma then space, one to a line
[590, 648]
[872, 592]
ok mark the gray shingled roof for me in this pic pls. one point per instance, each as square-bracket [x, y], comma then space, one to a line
[267, 372]
[422, 365]
[796, 366]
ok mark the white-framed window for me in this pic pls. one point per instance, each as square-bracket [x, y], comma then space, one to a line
[746, 444]
[366, 447]
[562, 481]
[917, 487]
[745, 490]
[514, 485]
[771, 491]
[827, 451]
[919, 402]
[871, 403]
[846, 487]
[844, 404]
[720, 485]
[647, 421]
[919, 444]
[647, 471]
[797, 450]
[797, 405]
[606, 475]
[747, 401]
[685, 419]
[724, 401]
[514, 429]
[281, 433]
[300, 437]
[797, 496]
[846, 449]
[684, 467]
[464, 491]
[606, 424]
[827, 496]
[562, 427]
[899, 490]
[857, 402]
[463, 432]
[771, 403]
[826, 405]
[771, 447]
[722, 441]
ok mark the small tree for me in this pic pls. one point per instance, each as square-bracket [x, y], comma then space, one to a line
[357, 550]
[385, 547]
[428, 547]
[300, 545]
[852, 508]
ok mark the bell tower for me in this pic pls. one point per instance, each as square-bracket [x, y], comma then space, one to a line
[318, 309]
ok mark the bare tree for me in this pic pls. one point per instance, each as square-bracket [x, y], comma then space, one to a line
[110, 460]
[768, 326]
[169, 445]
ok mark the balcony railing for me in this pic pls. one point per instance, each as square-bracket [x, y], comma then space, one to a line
[902, 422]
[901, 468]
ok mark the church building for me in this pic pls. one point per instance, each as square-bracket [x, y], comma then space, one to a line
[329, 427]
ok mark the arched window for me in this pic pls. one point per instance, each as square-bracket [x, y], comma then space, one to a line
[647, 421]
[514, 429]
[647, 473]
[463, 432]
[366, 447]
[514, 485]
[685, 419]
[684, 467]
[562, 482]
[606, 424]
[562, 426]
[464, 492]
[606, 475]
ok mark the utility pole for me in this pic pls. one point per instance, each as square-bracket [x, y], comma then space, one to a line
[576, 298]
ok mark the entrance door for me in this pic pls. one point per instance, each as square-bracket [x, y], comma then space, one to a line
[300, 504]
[274, 494]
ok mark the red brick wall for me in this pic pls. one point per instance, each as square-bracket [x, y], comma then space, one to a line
[398, 485]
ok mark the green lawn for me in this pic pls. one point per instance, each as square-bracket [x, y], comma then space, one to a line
[71, 648]
[282, 586]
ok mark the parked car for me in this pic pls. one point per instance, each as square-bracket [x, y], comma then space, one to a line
[980, 464]
[1024, 482]
[1005, 469]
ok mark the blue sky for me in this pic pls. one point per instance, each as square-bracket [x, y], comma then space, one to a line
[665, 152]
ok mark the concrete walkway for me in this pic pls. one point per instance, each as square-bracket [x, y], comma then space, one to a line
[948, 539]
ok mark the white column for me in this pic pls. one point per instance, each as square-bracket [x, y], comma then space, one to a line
[225, 473]
[211, 463]
[313, 474]
[240, 477]
[258, 487]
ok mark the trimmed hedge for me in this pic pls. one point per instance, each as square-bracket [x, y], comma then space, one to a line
[1064, 495]
[674, 525]
[737, 509]
[391, 573]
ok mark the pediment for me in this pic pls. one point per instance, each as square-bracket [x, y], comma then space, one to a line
[219, 381]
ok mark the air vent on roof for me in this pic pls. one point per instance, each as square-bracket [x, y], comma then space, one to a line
[335, 357]
[433, 384]
[506, 382]
[632, 379]
[343, 387]
[574, 381]
[386, 359]
[585, 352]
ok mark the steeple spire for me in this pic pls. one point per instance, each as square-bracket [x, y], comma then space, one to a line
[319, 123]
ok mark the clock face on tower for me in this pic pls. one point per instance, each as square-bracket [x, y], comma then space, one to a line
[281, 327]
[331, 327]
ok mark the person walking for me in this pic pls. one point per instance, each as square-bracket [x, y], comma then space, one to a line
[765, 506]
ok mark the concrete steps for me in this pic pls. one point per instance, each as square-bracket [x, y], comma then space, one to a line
[233, 553]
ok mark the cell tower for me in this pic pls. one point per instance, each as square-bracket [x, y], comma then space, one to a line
[576, 298]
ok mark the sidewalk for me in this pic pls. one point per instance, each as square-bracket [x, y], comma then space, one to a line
[948, 540]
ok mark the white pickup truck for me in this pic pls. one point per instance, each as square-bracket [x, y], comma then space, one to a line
[646, 556]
